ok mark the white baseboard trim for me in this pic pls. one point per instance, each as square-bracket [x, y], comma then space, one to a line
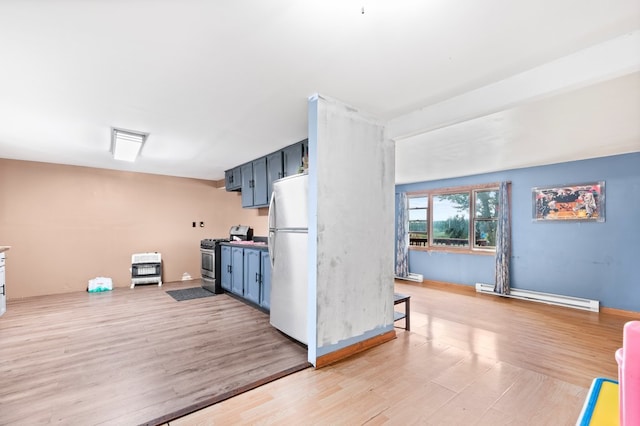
[552, 299]
[412, 277]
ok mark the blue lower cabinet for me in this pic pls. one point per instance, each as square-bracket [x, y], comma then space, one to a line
[237, 270]
[246, 272]
[252, 275]
[225, 267]
[265, 274]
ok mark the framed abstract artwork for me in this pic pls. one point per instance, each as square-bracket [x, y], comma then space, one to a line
[582, 202]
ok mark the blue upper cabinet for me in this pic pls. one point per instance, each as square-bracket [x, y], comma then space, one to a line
[305, 149]
[255, 179]
[260, 196]
[254, 183]
[274, 170]
[233, 179]
[292, 158]
[247, 185]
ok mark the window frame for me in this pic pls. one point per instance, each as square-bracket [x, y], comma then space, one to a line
[472, 248]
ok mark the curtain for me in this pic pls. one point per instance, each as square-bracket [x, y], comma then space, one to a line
[402, 235]
[503, 241]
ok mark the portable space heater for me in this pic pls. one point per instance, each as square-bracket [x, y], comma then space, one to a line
[146, 268]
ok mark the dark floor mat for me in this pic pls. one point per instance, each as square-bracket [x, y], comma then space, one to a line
[189, 293]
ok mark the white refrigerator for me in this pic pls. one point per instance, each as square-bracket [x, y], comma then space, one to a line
[288, 227]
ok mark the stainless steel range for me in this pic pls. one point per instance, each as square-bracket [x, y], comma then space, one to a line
[210, 265]
[211, 261]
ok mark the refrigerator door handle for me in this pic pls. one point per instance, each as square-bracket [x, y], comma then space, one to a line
[271, 242]
[272, 223]
[272, 212]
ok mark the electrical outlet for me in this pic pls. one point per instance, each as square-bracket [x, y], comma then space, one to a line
[194, 224]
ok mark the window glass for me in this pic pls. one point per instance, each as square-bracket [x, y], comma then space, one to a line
[418, 235]
[485, 233]
[485, 222]
[451, 220]
[486, 204]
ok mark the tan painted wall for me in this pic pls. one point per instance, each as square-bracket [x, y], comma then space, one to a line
[68, 224]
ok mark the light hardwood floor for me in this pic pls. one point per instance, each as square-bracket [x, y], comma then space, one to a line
[469, 359]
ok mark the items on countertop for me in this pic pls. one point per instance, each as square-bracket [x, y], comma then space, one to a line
[249, 243]
[241, 233]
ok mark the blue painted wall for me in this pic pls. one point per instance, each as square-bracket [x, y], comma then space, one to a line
[593, 260]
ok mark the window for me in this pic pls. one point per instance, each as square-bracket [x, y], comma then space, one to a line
[454, 219]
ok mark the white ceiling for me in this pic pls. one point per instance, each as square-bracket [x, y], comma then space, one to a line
[466, 86]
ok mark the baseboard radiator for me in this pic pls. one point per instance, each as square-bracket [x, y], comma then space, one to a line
[551, 299]
[411, 277]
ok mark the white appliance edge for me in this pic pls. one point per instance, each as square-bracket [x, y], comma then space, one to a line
[3, 288]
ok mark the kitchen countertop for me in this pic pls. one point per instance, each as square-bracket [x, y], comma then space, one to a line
[247, 244]
[4, 248]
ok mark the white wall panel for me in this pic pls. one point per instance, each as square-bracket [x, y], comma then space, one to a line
[354, 174]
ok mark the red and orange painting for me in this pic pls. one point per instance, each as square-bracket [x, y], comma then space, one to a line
[569, 202]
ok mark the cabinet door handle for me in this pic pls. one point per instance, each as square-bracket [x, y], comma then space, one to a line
[257, 278]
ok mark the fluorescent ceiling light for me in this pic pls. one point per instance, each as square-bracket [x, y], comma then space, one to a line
[126, 144]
